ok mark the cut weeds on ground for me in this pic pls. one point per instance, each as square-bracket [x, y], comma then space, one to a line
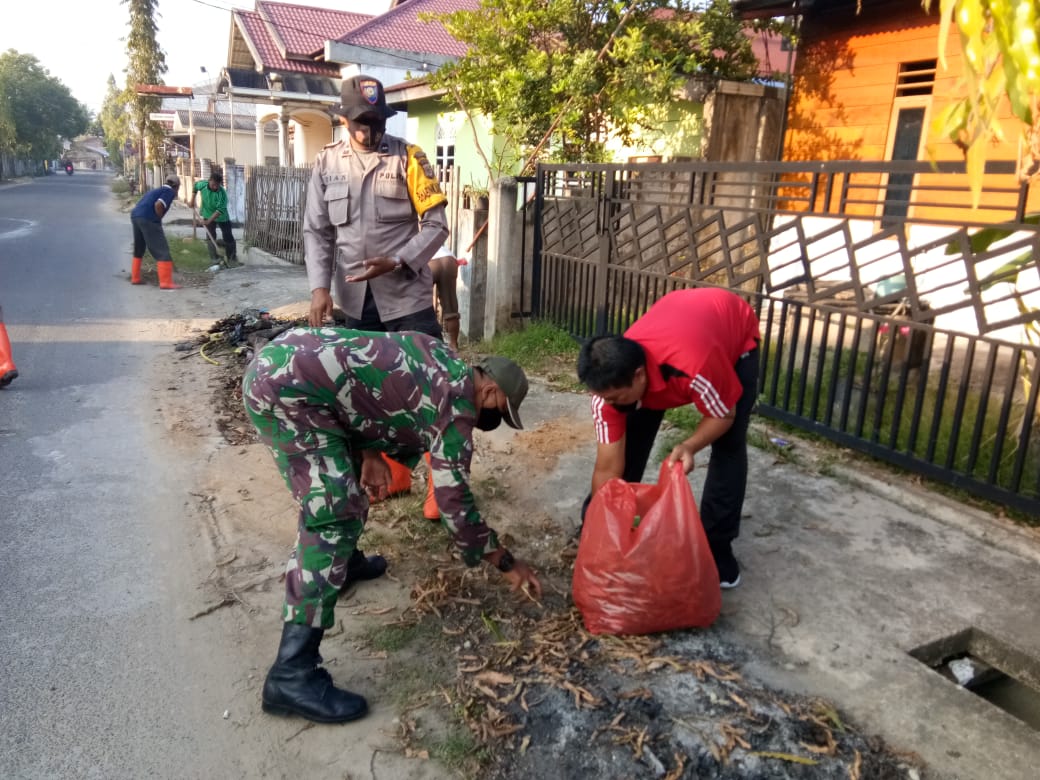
[496, 684]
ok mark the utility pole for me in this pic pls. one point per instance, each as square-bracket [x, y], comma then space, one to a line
[213, 113]
[157, 90]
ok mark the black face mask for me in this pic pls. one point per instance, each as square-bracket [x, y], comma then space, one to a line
[489, 419]
[376, 127]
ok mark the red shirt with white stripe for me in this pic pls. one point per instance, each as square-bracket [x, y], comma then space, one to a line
[692, 340]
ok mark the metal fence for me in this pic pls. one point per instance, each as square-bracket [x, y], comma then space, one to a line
[275, 202]
[888, 325]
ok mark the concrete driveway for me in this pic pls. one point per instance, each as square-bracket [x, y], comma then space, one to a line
[847, 568]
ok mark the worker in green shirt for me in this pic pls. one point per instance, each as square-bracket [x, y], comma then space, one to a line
[214, 211]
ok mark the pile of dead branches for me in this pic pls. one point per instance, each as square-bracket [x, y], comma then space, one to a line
[229, 344]
[238, 335]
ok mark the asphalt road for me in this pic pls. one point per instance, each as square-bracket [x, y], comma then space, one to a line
[103, 674]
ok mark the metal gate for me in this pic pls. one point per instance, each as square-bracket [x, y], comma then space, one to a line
[905, 329]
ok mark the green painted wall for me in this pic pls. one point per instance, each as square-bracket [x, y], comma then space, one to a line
[423, 118]
[677, 133]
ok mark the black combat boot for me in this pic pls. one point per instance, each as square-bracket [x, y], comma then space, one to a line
[297, 685]
[361, 568]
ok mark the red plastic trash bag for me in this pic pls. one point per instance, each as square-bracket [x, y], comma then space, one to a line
[643, 563]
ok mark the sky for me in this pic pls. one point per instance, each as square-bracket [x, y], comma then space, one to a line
[80, 42]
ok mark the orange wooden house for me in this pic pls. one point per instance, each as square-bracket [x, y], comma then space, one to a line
[867, 84]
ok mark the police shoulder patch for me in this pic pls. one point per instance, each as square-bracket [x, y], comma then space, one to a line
[423, 161]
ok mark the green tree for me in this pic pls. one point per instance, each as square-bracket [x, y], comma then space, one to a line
[1001, 61]
[115, 122]
[574, 71]
[36, 109]
[94, 127]
[146, 64]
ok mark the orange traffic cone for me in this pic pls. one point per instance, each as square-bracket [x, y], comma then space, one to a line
[430, 509]
[8, 373]
[400, 476]
[135, 271]
[165, 268]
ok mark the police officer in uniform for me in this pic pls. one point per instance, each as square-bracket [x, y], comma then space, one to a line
[375, 216]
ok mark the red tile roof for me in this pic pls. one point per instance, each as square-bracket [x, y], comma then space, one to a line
[768, 50]
[400, 28]
[258, 36]
[301, 31]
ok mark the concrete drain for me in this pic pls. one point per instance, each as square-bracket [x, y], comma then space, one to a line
[991, 669]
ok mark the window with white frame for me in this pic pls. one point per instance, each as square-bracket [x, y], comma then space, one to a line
[445, 155]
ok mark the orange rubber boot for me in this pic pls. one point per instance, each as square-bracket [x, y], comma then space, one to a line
[400, 476]
[135, 271]
[8, 373]
[430, 509]
[165, 268]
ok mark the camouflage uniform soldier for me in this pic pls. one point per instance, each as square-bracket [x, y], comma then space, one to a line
[328, 401]
[375, 216]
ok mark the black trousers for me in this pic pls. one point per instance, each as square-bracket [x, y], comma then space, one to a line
[424, 320]
[230, 247]
[722, 500]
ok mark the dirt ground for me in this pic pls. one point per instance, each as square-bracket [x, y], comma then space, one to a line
[467, 679]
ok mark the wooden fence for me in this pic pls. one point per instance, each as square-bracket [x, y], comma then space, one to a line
[275, 201]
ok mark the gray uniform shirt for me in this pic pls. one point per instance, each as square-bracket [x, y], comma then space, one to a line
[361, 205]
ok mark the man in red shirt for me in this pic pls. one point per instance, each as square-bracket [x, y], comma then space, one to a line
[696, 346]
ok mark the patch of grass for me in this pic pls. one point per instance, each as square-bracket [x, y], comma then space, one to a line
[758, 439]
[398, 525]
[391, 638]
[542, 349]
[412, 678]
[396, 637]
[121, 187]
[827, 466]
[458, 749]
[189, 256]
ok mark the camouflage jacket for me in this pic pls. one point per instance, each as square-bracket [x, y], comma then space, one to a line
[401, 393]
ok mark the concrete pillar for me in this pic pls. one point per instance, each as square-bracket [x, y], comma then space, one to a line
[472, 284]
[503, 262]
[235, 190]
[259, 143]
[283, 139]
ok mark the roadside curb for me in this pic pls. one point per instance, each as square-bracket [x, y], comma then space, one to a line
[983, 526]
[18, 181]
[254, 256]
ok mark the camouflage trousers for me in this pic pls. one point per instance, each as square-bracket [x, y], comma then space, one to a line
[314, 456]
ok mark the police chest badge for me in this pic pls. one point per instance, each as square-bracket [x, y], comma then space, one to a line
[370, 91]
